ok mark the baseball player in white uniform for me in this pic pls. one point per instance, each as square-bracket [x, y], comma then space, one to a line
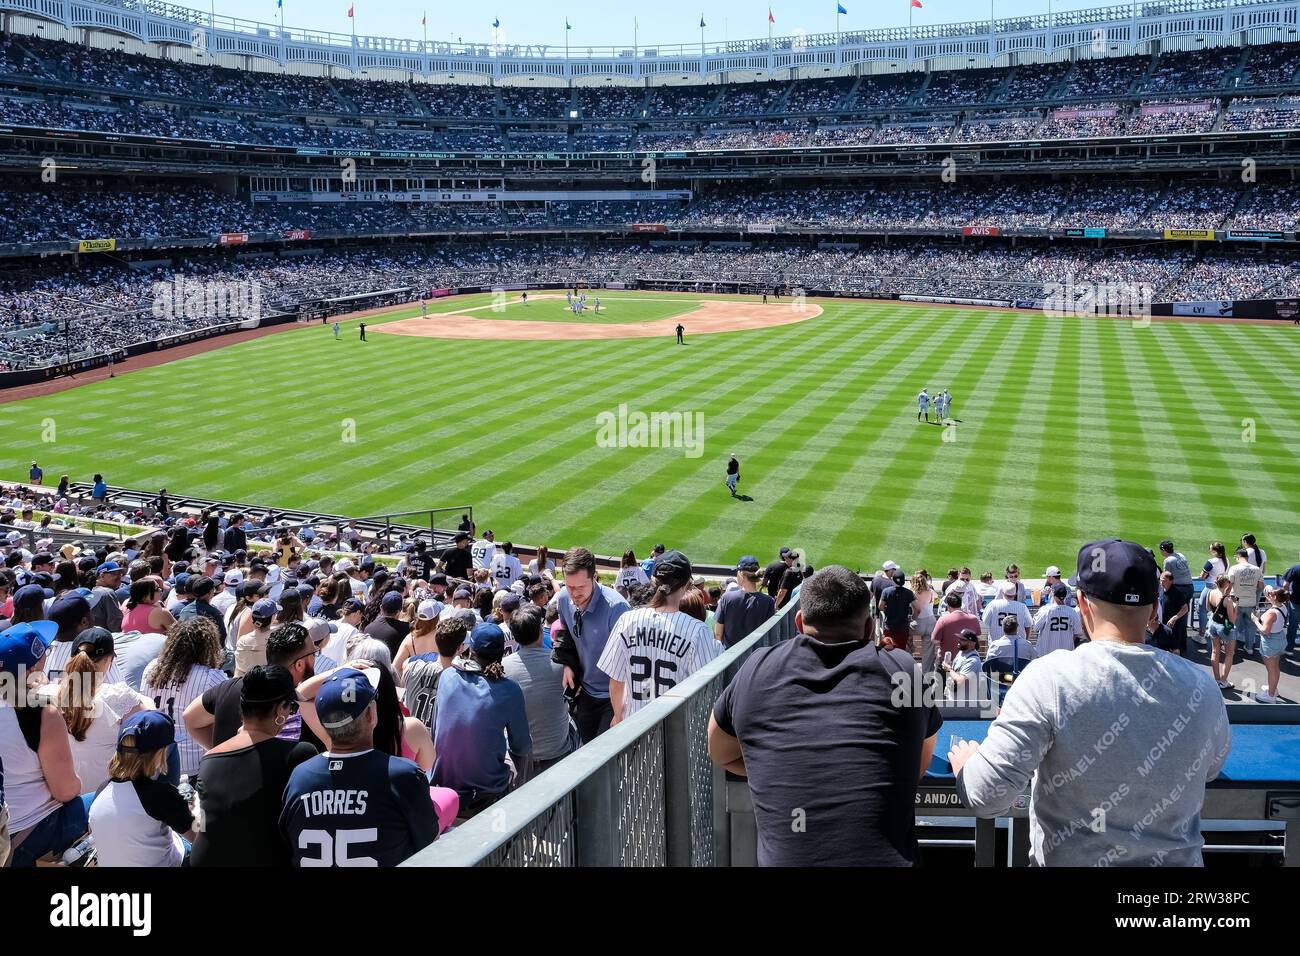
[1057, 625]
[923, 406]
[652, 649]
[947, 403]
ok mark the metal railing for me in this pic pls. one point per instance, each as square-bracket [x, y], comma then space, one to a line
[645, 793]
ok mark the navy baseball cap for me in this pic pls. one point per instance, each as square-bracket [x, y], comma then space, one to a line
[265, 608]
[146, 732]
[675, 563]
[72, 608]
[1117, 572]
[747, 563]
[345, 696]
[22, 645]
[95, 642]
[391, 602]
[1060, 592]
[31, 596]
[488, 640]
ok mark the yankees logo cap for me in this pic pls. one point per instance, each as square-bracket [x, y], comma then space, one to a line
[1118, 572]
[345, 696]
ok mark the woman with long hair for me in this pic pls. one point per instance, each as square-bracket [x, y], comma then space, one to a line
[241, 780]
[178, 545]
[187, 668]
[636, 656]
[1254, 553]
[65, 577]
[327, 600]
[93, 708]
[542, 563]
[630, 574]
[1223, 620]
[923, 616]
[212, 534]
[1216, 564]
[144, 610]
[420, 639]
[1271, 622]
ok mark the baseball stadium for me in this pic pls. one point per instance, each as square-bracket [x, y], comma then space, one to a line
[587, 442]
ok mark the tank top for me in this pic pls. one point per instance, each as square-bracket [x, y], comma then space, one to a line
[26, 793]
[1220, 615]
[1279, 620]
[925, 618]
[137, 619]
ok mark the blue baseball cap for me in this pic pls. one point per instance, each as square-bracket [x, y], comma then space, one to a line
[146, 732]
[22, 645]
[108, 567]
[488, 640]
[345, 696]
[747, 563]
[265, 608]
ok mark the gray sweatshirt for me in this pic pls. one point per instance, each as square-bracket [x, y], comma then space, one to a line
[1119, 741]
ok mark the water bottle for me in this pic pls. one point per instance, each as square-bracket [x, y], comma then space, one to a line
[947, 658]
[75, 854]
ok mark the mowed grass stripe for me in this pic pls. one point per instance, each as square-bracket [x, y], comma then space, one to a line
[872, 519]
[1054, 480]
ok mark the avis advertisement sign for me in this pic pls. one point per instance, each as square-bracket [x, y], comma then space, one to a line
[981, 231]
[297, 234]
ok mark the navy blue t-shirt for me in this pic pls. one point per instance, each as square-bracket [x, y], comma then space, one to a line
[832, 763]
[364, 809]
[1292, 581]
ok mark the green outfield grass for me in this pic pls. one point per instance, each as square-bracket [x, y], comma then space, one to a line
[1070, 429]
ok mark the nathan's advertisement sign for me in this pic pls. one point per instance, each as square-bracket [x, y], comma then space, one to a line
[96, 245]
[1255, 235]
[981, 231]
[1189, 234]
[233, 238]
[297, 234]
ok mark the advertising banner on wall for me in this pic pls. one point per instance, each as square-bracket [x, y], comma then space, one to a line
[981, 230]
[96, 245]
[1220, 308]
[1189, 234]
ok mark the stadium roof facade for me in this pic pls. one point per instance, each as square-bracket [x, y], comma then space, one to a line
[1117, 30]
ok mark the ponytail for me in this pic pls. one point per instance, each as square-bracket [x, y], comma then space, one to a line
[77, 694]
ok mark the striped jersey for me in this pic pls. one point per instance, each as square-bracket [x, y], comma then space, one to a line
[1056, 627]
[172, 701]
[651, 652]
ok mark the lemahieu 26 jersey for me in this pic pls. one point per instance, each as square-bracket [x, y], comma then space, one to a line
[363, 809]
[651, 652]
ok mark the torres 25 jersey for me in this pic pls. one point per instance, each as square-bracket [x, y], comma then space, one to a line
[362, 809]
[651, 652]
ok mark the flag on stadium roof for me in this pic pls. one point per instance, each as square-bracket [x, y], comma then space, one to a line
[702, 24]
[917, 4]
[839, 8]
[496, 22]
[353, 8]
[772, 19]
[567, 24]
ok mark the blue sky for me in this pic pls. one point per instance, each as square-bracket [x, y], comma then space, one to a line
[610, 23]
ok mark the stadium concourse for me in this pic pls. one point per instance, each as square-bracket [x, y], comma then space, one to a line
[226, 649]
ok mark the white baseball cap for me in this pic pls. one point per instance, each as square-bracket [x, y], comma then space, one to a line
[344, 565]
[889, 566]
[234, 578]
[1052, 572]
[429, 610]
[1010, 587]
